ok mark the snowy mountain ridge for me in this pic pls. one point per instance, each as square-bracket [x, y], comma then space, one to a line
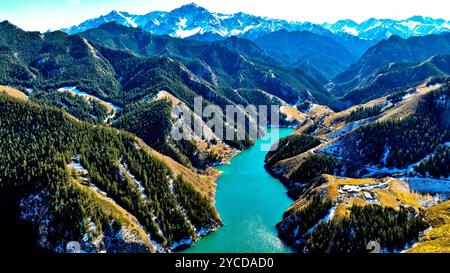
[378, 29]
[193, 20]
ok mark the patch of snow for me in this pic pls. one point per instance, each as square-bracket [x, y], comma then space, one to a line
[203, 231]
[182, 23]
[170, 184]
[235, 32]
[387, 151]
[133, 178]
[183, 33]
[84, 175]
[91, 241]
[430, 185]
[247, 28]
[88, 97]
[136, 146]
[184, 242]
[128, 19]
[349, 127]
[329, 216]
[373, 26]
[33, 209]
[407, 96]
[350, 30]
[76, 165]
[410, 24]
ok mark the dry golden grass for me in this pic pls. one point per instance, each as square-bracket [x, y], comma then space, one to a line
[436, 240]
[335, 182]
[387, 198]
[13, 92]
[336, 120]
[165, 95]
[224, 152]
[405, 109]
[292, 113]
[298, 206]
[341, 211]
[319, 111]
[408, 107]
[398, 194]
[357, 201]
[395, 195]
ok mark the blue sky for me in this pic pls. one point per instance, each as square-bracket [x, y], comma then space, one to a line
[54, 14]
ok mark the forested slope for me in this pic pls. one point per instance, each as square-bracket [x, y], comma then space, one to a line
[77, 182]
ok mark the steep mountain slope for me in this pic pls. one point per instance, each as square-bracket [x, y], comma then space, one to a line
[236, 71]
[230, 64]
[33, 60]
[346, 169]
[349, 136]
[73, 181]
[140, 42]
[56, 61]
[300, 47]
[379, 29]
[395, 49]
[153, 123]
[397, 76]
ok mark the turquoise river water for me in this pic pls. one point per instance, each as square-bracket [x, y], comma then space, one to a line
[250, 202]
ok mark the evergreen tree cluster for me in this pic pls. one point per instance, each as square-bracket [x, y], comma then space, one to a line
[438, 165]
[295, 225]
[390, 228]
[314, 166]
[291, 146]
[91, 111]
[363, 113]
[400, 143]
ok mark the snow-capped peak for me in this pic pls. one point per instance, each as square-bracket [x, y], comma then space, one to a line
[378, 29]
[191, 19]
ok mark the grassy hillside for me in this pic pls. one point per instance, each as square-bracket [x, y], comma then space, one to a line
[12, 92]
[437, 239]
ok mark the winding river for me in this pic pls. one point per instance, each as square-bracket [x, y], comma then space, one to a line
[250, 202]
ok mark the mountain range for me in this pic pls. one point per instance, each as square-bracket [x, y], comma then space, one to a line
[383, 68]
[379, 29]
[194, 21]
